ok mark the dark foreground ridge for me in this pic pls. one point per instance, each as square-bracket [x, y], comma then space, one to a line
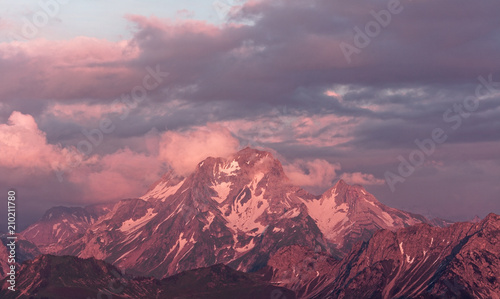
[63, 277]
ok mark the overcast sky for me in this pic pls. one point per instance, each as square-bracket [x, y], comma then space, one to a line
[99, 98]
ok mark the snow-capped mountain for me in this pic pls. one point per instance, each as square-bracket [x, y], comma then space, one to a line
[346, 214]
[237, 211]
[234, 211]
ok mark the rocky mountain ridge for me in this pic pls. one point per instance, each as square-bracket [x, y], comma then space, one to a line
[236, 211]
[421, 261]
[459, 261]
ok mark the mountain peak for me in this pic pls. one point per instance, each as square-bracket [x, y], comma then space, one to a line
[234, 209]
[344, 192]
[476, 219]
[341, 184]
[250, 156]
[246, 161]
[491, 218]
[60, 212]
[222, 172]
[247, 151]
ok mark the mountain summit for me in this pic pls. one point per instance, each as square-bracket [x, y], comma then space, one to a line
[237, 211]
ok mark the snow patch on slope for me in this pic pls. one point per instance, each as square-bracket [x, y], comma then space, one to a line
[210, 219]
[327, 214]
[229, 170]
[162, 191]
[222, 190]
[387, 219]
[131, 225]
[384, 216]
[244, 216]
[292, 213]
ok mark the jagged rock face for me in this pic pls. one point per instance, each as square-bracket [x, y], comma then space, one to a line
[65, 277]
[237, 211]
[347, 214]
[243, 211]
[302, 270]
[234, 211]
[60, 226]
[460, 261]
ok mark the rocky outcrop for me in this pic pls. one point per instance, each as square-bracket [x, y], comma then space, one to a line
[459, 261]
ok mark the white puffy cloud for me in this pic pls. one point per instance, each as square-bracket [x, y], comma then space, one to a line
[315, 173]
[361, 179]
[24, 146]
[183, 151]
[318, 175]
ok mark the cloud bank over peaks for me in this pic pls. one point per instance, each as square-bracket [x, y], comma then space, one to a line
[100, 177]
[318, 175]
[183, 151]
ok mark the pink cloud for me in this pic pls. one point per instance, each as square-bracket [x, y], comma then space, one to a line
[79, 68]
[174, 28]
[122, 174]
[361, 179]
[286, 126]
[24, 146]
[324, 130]
[315, 173]
[184, 13]
[27, 156]
[318, 175]
[89, 68]
[80, 112]
[183, 151]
